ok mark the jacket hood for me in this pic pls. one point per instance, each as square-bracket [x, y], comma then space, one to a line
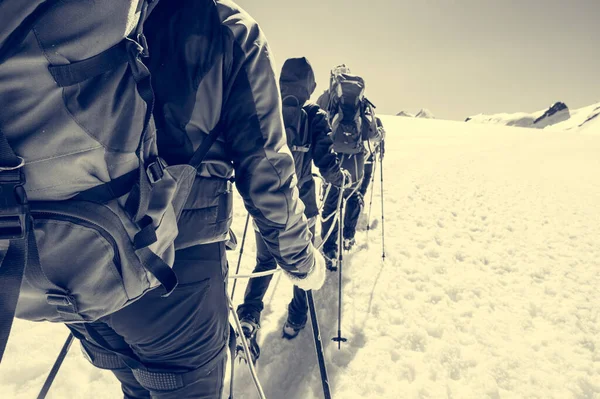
[298, 79]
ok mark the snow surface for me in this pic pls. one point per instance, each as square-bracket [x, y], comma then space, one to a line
[490, 287]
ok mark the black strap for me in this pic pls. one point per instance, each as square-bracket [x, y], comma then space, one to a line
[201, 152]
[13, 220]
[155, 265]
[147, 235]
[77, 72]
[11, 275]
[108, 191]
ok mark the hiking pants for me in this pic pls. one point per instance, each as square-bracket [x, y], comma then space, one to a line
[368, 175]
[256, 289]
[181, 340]
[352, 209]
[355, 164]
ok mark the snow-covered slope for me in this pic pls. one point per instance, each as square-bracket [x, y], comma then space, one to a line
[405, 114]
[584, 120]
[556, 113]
[489, 288]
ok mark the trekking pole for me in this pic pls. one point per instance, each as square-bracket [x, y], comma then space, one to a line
[56, 367]
[237, 269]
[238, 326]
[339, 339]
[382, 215]
[372, 191]
[318, 344]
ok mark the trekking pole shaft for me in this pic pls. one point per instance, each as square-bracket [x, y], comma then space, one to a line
[341, 261]
[382, 215]
[374, 166]
[56, 367]
[318, 345]
[237, 269]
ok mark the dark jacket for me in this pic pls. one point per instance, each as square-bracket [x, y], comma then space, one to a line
[321, 153]
[297, 78]
[212, 69]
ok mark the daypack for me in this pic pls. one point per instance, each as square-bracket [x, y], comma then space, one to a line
[88, 210]
[349, 123]
[295, 120]
[297, 84]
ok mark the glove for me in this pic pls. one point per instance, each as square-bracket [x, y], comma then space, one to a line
[315, 278]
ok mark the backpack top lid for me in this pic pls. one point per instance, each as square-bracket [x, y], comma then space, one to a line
[342, 68]
[348, 89]
[297, 79]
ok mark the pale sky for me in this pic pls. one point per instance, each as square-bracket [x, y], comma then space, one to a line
[454, 57]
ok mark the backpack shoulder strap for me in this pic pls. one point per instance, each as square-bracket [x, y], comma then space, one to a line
[201, 152]
[311, 110]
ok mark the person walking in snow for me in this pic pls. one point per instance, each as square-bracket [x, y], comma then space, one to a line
[353, 123]
[211, 70]
[307, 131]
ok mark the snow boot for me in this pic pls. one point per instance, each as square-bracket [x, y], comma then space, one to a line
[331, 259]
[291, 330]
[349, 243]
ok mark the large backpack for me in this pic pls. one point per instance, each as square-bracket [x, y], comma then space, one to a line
[88, 210]
[346, 110]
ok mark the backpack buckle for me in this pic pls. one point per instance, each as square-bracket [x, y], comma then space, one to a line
[156, 170]
[14, 207]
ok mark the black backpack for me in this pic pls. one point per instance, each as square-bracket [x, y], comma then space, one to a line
[347, 112]
[295, 120]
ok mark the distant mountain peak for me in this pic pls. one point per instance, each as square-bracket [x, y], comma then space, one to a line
[425, 113]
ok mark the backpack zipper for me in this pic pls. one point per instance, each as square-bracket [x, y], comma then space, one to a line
[86, 223]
